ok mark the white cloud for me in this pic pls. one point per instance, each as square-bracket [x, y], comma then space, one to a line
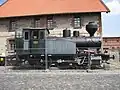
[114, 6]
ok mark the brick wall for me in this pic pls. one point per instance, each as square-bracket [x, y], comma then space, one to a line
[112, 45]
[111, 42]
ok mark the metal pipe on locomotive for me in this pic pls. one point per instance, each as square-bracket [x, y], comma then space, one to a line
[66, 51]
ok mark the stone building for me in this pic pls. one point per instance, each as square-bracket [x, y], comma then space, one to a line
[56, 15]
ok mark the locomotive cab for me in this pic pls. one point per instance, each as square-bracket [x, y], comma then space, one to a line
[29, 38]
[30, 41]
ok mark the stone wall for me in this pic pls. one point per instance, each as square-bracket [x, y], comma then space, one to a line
[61, 22]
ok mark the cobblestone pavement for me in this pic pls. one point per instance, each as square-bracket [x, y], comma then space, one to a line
[59, 80]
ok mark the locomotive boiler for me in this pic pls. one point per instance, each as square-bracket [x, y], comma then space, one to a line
[38, 48]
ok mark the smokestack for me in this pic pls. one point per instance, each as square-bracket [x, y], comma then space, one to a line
[91, 28]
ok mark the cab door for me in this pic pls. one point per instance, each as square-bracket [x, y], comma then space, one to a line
[26, 39]
[34, 43]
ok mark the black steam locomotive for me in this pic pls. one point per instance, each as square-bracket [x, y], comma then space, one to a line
[38, 48]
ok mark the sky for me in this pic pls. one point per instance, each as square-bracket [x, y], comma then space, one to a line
[110, 21]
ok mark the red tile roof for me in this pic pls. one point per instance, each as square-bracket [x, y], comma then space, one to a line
[13, 8]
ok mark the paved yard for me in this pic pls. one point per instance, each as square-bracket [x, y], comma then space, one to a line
[114, 64]
[59, 80]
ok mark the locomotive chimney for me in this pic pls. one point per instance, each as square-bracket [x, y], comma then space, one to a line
[91, 28]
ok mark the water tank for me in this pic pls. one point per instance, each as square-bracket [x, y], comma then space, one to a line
[66, 33]
[91, 28]
[75, 33]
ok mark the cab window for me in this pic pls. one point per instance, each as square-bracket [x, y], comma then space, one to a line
[35, 34]
[26, 36]
[42, 35]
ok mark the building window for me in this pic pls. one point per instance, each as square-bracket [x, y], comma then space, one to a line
[105, 48]
[12, 25]
[113, 47]
[105, 41]
[37, 22]
[118, 47]
[77, 22]
[117, 40]
[11, 45]
[50, 22]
